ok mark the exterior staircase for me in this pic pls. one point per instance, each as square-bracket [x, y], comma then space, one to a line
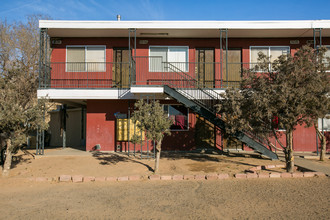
[202, 101]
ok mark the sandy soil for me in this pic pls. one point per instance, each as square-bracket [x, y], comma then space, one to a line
[112, 164]
[303, 198]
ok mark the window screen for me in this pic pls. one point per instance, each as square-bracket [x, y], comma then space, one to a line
[75, 59]
[272, 52]
[85, 58]
[168, 59]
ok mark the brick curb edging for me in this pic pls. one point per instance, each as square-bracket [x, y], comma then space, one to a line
[155, 177]
[266, 167]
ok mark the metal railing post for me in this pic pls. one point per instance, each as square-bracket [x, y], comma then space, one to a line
[227, 57]
[319, 32]
[221, 58]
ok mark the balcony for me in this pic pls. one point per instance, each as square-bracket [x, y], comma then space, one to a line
[141, 72]
[84, 75]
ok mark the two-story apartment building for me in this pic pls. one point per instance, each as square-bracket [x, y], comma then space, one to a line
[103, 67]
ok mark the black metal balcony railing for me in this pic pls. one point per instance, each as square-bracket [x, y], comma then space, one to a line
[152, 70]
[85, 75]
[142, 71]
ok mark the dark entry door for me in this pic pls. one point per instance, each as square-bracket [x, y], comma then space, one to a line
[232, 78]
[121, 67]
[205, 67]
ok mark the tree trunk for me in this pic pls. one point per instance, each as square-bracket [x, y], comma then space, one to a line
[158, 150]
[289, 159]
[323, 147]
[7, 164]
[323, 142]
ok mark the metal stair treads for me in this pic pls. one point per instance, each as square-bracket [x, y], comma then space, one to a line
[211, 117]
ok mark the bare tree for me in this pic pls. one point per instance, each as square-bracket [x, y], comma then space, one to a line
[289, 92]
[150, 117]
[20, 111]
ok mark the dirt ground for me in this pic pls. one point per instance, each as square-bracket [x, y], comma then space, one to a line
[103, 164]
[302, 198]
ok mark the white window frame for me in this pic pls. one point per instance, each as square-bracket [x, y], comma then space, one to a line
[328, 48]
[168, 49]
[327, 117]
[85, 46]
[168, 115]
[250, 48]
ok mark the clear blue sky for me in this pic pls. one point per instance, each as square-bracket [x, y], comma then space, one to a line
[167, 9]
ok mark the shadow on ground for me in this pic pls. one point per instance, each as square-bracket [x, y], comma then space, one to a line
[19, 159]
[108, 158]
[204, 157]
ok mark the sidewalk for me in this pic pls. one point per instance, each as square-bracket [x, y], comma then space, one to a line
[299, 160]
[62, 152]
[311, 165]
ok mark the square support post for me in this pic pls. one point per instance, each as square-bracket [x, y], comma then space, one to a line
[64, 107]
[223, 37]
[317, 35]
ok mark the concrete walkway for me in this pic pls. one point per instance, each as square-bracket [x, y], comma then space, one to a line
[300, 161]
[311, 165]
[64, 152]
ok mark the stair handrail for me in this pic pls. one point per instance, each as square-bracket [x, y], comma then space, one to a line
[196, 85]
[249, 133]
[214, 95]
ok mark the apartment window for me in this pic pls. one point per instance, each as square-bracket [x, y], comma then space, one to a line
[168, 58]
[327, 55]
[85, 58]
[270, 51]
[324, 123]
[178, 114]
[276, 123]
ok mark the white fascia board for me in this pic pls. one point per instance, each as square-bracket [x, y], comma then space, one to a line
[147, 89]
[325, 24]
[78, 93]
[293, 24]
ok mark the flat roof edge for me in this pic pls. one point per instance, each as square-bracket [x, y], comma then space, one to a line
[287, 24]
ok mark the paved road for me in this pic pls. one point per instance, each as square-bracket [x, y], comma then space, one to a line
[303, 198]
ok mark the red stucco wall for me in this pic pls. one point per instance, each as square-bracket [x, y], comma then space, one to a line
[61, 78]
[100, 127]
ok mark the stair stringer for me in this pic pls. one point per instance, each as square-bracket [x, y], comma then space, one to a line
[211, 117]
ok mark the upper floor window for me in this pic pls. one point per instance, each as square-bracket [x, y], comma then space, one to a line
[168, 58]
[85, 58]
[270, 51]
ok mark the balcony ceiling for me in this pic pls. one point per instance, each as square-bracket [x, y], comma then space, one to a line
[186, 29]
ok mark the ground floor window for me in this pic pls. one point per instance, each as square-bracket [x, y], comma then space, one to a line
[327, 56]
[178, 115]
[324, 123]
[276, 124]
